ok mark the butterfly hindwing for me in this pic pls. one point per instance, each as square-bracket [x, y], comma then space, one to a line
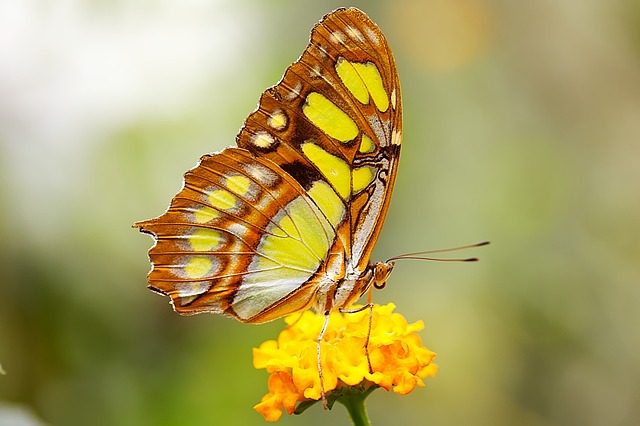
[275, 225]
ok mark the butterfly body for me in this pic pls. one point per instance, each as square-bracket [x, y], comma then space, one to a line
[287, 220]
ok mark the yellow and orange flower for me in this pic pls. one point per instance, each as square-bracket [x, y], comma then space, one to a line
[398, 359]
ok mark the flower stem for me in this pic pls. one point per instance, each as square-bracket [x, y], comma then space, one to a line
[354, 403]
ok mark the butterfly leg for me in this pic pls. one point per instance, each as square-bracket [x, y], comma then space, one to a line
[366, 343]
[318, 340]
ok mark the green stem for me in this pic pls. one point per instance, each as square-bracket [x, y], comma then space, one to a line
[354, 403]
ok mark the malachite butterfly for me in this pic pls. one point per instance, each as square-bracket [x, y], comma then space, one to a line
[287, 220]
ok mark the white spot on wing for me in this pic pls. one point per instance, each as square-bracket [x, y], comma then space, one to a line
[262, 139]
[396, 137]
[354, 33]
[237, 229]
[372, 36]
[261, 174]
[380, 134]
[316, 71]
[295, 92]
[337, 37]
[322, 51]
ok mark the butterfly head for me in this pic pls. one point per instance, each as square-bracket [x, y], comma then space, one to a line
[375, 275]
[381, 272]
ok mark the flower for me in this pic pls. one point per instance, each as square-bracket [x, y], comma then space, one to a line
[398, 359]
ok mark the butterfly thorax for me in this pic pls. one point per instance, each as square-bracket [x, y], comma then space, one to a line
[342, 293]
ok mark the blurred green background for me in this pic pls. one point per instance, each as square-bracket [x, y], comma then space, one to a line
[522, 126]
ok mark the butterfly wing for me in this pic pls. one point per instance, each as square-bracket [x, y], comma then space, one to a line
[336, 117]
[240, 232]
[258, 231]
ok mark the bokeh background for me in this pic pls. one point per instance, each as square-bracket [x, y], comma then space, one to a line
[522, 126]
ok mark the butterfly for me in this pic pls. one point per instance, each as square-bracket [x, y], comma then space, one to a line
[287, 220]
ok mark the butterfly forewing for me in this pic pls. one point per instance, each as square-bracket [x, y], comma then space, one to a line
[276, 225]
[341, 115]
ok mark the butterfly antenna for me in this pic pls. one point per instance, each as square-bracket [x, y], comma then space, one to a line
[420, 255]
